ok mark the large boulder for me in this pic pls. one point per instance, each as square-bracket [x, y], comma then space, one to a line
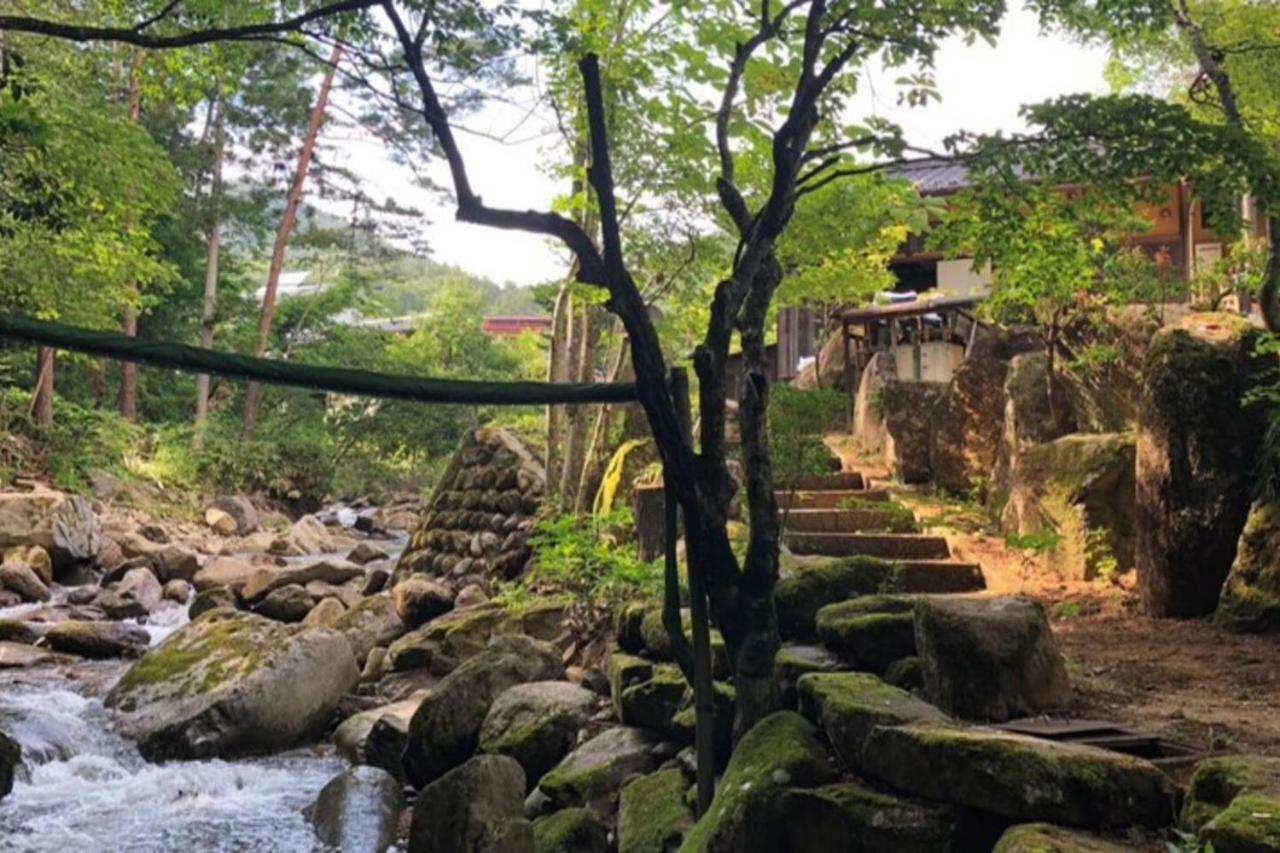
[989, 658]
[806, 588]
[97, 640]
[1080, 488]
[22, 580]
[592, 773]
[849, 705]
[352, 737]
[26, 518]
[868, 406]
[241, 510]
[909, 419]
[176, 562]
[1196, 447]
[779, 752]
[536, 724]
[653, 814]
[474, 808]
[230, 572]
[447, 640]
[575, 830]
[418, 600]
[1031, 417]
[232, 683]
[358, 811]
[870, 632]
[854, 816]
[268, 579]
[445, 729]
[370, 623]
[1018, 777]
[34, 557]
[1233, 803]
[1250, 600]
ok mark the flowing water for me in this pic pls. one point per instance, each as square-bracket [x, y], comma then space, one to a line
[83, 788]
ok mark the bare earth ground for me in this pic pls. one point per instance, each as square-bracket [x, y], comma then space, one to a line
[1184, 680]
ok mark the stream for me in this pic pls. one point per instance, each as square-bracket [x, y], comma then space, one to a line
[83, 787]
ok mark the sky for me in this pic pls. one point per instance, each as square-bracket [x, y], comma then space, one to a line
[982, 89]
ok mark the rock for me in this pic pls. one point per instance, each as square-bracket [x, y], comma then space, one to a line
[653, 702]
[141, 586]
[906, 673]
[77, 535]
[265, 581]
[849, 705]
[536, 724]
[1233, 802]
[470, 595]
[224, 571]
[1029, 420]
[1196, 451]
[18, 631]
[628, 624]
[241, 510]
[445, 641]
[177, 590]
[781, 751]
[571, 831]
[176, 562]
[154, 533]
[418, 600]
[26, 518]
[212, 599]
[97, 640]
[231, 684]
[22, 580]
[791, 662]
[366, 553]
[871, 631]
[1250, 601]
[853, 816]
[592, 773]
[289, 603]
[110, 554]
[653, 816]
[1047, 838]
[474, 808]
[373, 668]
[1021, 778]
[104, 484]
[307, 536]
[352, 736]
[10, 761]
[446, 728]
[868, 413]
[358, 811]
[370, 623]
[375, 581]
[220, 521]
[908, 424]
[20, 656]
[325, 614]
[989, 658]
[34, 557]
[812, 585]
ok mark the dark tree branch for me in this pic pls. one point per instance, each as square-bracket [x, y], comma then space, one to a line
[158, 16]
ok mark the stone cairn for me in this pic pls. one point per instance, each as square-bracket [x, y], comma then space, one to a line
[479, 518]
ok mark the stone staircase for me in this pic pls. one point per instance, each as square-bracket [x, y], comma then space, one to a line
[836, 515]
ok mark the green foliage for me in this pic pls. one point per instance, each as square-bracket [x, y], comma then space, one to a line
[593, 559]
[1041, 541]
[798, 420]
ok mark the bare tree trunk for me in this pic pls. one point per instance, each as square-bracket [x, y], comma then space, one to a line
[209, 305]
[594, 460]
[128, 370]
[558, 371]
[288, 219]
[42, 393]
[575, 441]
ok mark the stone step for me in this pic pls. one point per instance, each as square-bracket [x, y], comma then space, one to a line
[835, 520]
[828, 498]
[835, 480]
[938, 576]
[887, 546]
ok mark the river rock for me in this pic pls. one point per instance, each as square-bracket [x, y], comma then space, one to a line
[445, 641]
[138, 586]
[289, 603]
[849, 705]
[1250, 601]
[358, 811]
[365, 553]
[20, 631]
[22, 580]
[230, 572]
[326, 613]
[10, 761]
[445, 730]
[212, 599]
[266, 580]
[233, 683]
[371, 622]
[352, 735]
[307, 536]
[989, 658]
[176, 562]
[177, 590]
[473, 808]
[220, 521]
[471, 595]
[653, 812]
[1021, 778]
[536, 724]
[571, 831]
[418, 600]
[241, 510]
[21, 656]
[592, 773]
[1196, 451]
[26, 518]
[33, 556]
[90, 639]
[779, 752]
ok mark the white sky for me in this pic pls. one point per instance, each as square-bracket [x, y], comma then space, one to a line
[982, 89]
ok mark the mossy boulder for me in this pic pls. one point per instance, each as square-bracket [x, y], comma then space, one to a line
[626, 670]
[369, 623]
[1080, 488]
[909, 419]
[593, 773]
[813, 584]
[1234, 802]
[536, 724]
[849, 705]
[232, 683]
[989, 658]
[446, 641]
[1018, 777]
[871, 632]
[445, 729]
[906, 673]
[1250, 601]
[793, 661]
[1047, 838]
[474, 808]
[575, 830]
[627, 624]
[1028, 419]
[1197, 443]
[781, 751]
[653, 815]
[854, 816]
[654, 702]
[359, 809]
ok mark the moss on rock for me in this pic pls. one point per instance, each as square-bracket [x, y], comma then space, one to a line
[854, 816]
[1233, 801]
[813, 584]
[871, 632]
[1047, 838]
[848, 705]
[1250, 601]
[594, 771]
[573, 830]
[652, 814]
